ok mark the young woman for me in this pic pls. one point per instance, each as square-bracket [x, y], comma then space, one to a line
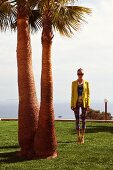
[80, 98]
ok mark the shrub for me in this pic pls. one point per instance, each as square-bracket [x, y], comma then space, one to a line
[97, 115]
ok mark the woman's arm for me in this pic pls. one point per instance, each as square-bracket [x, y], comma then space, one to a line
[72, 97]
[88, 94]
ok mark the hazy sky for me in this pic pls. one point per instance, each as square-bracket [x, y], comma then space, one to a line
[91, 49]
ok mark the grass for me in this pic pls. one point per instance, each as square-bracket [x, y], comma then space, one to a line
[95, 154]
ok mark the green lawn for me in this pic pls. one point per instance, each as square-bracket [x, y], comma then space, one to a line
[95, 154]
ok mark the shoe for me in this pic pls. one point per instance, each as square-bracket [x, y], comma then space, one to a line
[78, 139]
[82, 140]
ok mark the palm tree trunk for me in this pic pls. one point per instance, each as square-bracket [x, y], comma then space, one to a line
[28, 104]
[45, 140]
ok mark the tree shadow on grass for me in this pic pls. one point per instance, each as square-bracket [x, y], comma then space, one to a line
[11, 157]
[96, 129]
[9, 147]
[65, 142]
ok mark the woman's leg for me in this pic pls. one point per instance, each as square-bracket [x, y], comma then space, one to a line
[83, 123]
[77, 116]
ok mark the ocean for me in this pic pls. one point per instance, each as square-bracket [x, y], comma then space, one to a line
[62, 110]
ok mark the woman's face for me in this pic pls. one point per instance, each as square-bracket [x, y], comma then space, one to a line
[80, 75]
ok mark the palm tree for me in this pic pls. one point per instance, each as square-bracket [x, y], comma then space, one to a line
[17, 14]
[55, 15]
[28, 104]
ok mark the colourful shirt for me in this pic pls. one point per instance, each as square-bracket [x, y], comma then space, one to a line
[80, 90]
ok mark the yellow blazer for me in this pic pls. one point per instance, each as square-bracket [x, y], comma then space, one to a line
[85, 94]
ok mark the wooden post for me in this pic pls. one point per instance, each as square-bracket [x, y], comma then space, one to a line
[105, 101]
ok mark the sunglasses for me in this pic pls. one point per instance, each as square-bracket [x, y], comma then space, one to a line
[80, 74]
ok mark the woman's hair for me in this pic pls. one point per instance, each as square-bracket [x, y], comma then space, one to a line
[80, 70]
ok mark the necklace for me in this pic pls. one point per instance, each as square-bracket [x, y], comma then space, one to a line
[80, 83]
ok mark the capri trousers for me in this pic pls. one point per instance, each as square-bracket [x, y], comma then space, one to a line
[83, 117]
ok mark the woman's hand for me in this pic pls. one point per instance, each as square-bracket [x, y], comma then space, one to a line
[88, 109]
[72, 108]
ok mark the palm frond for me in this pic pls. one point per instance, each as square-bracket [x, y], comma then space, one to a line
[69, 18]
[33, 14]
[7, 15]
[35, 20]
[64, 16]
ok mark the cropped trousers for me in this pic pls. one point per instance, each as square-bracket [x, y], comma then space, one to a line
[83, 117]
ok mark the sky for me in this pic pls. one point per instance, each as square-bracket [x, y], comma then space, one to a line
[91, 49]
